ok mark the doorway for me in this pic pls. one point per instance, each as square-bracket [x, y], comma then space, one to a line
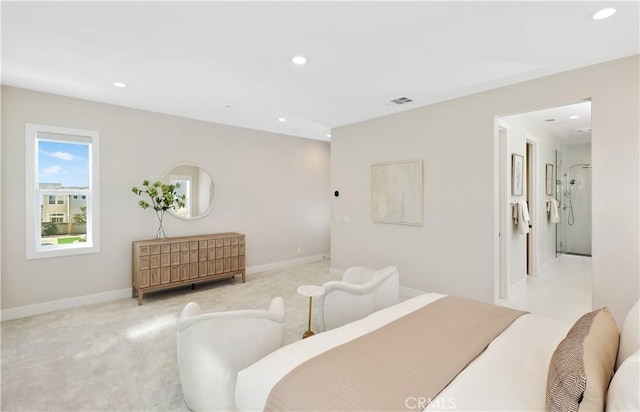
[553, 143]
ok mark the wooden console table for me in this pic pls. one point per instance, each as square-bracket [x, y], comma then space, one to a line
[175, 262]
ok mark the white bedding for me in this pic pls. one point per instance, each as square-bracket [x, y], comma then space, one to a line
[510, 375]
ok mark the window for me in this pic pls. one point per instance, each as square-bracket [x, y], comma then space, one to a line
[184, 189]
[62, 192]
[56, 217]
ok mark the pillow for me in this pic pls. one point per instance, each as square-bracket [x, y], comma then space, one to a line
[582, 364]
[624, 390]
[629, 335]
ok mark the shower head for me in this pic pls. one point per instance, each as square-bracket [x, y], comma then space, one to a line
[582, 165]
[572, 182]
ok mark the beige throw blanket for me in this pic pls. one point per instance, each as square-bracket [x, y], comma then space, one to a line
[400, 366]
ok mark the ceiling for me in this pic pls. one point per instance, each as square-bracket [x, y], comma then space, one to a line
[571, 123]
[557, 123]
[230, 62]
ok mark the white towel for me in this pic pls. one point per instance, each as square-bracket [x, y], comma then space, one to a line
[523, 218]
[554, 217]
[525, 210]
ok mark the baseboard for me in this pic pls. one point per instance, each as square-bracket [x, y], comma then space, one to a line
[56, 305]
[285, 263]
[46, 307]
[547, 265]
[518, 287]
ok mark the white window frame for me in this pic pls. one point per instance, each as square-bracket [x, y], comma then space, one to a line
[34, 248]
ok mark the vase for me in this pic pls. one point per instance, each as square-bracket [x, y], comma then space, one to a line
[160, 233]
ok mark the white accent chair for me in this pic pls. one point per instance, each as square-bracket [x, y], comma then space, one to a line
[361, 292]
[214, 347]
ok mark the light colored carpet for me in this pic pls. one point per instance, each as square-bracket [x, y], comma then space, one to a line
[118, 356]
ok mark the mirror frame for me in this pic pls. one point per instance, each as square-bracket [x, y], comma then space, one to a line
[205, 213]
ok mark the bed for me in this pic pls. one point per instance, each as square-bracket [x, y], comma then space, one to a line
[510, 374]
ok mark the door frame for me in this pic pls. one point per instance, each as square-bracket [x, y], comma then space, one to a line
[504, 211]
[532, 203]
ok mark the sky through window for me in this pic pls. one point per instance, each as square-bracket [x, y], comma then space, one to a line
[63, 162]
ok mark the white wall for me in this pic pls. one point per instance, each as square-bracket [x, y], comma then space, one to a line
[518, 131]
[274, 188]
[456, 250]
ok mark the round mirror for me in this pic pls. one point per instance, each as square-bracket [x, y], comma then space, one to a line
[196, 185]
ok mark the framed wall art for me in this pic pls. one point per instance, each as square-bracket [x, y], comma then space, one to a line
[396, 192]
[549, 180]
[517, 174]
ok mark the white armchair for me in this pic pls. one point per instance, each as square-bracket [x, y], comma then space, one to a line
[361, 292]
[213, 347]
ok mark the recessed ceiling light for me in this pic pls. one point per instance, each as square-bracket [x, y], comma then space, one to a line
[119, 84]
[328, 135]
[299, 60]
[572, 117]
[604, 13]
[282, 119]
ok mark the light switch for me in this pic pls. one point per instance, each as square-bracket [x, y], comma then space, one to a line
[346, 218]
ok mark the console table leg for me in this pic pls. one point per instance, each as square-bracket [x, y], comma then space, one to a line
[140, 293]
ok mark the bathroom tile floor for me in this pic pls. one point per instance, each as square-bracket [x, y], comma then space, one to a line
[563, 291]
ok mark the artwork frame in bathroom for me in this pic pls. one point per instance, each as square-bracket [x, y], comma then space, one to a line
[517, 174]
[549, 180]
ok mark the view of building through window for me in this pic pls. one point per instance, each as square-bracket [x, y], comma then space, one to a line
[63, 183]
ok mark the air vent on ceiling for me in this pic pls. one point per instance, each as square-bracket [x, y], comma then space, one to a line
[401, 100]
[553, 119]
[585, 130]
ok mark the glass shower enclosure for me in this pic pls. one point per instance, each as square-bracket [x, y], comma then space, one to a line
[573, 192]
